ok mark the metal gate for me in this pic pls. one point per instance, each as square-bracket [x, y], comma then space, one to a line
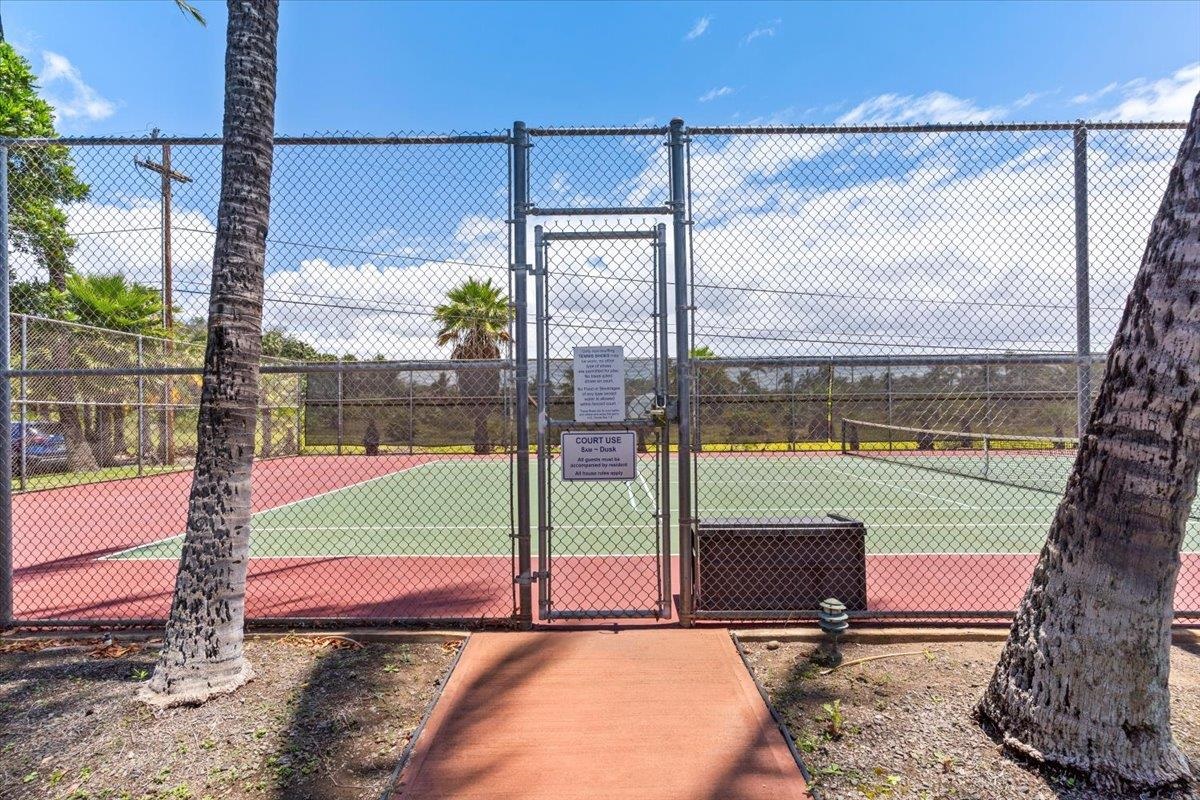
[603, 535]
[607, 284]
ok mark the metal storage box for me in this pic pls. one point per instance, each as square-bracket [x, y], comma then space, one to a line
[779, 565]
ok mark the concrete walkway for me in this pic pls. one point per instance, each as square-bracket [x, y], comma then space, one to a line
[670, 714]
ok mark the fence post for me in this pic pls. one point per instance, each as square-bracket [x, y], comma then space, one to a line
[339, 407]
[520, 266]
[412, 420]
[141, 407]
[299, 408]
[24, 396]
[987, 396]
[1083, 345]
[6, 531]
[683, 365]
[793, 433]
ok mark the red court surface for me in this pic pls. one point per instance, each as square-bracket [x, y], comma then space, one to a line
[61, 535]
[668, 714]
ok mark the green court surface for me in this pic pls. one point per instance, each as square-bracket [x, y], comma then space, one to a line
[461, 507]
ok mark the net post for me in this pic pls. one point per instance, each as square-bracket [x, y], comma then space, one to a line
[6, 531]
[520, 267]
[1083, 345]
[679, 224]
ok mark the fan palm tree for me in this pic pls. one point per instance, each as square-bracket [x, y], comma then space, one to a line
[202, 652]
[476, 321]
[113, 303]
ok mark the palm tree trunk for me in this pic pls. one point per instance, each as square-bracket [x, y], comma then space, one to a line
[120, 443]
[202, 649]
[265, 452]
[1082, 681]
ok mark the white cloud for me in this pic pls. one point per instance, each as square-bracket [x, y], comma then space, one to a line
[1028, 99]
[699, 29]
[1080, 99]
[1167, 99]
[766, 29]
[806, 244]
[933, 107]
[713, 94]
[80, 101]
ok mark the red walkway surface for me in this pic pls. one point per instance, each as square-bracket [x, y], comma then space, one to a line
[60, 535]
[668, 714]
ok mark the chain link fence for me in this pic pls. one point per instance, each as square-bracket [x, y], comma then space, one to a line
[896, 326]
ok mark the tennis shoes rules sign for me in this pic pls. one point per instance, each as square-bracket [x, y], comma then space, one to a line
[599, 376]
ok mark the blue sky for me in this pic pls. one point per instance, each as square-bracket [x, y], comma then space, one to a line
[969, 236]
[127, 67]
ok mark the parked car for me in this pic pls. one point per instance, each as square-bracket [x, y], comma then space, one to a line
[44, 443]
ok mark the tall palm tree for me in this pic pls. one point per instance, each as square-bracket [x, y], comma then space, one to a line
[202, 652]
[476, 321]
[1082, 681]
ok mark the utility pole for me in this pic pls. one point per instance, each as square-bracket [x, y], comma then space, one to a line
[167, 178]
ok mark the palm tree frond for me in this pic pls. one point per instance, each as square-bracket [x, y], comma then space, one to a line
[191, 11]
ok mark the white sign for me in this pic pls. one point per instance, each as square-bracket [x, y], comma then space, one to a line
[599, 384]
[599, 456]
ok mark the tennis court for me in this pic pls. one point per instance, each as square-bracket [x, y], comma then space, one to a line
[429, 536]
[459, 507]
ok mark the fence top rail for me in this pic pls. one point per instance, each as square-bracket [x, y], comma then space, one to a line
[434, 139]
[292, 368]
[628, 130]
[145, 338]
[966, 359]
[662, 130]
[954, 127]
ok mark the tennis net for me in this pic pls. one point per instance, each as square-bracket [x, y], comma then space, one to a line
[1039, 463]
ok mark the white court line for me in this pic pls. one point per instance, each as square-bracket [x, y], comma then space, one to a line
[439, 528]
[846, 509]
[404, 471]
[508, 557]
[345, 556]
[599, 528]
[807, 478]
[889, 484]
[645, 488]
[629, 493]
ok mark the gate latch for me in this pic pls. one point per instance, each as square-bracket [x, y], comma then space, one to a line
[529, 578]
[660, 413]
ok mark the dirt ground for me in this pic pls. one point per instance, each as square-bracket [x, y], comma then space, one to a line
[902, 728]
[325, 719]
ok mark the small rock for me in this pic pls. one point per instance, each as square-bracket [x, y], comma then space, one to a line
[772, 645]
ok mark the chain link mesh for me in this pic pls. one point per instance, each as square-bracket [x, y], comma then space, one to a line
[873, 311]
[885, 330]
[383, 466]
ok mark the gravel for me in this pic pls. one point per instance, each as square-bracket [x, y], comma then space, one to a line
[901, 727]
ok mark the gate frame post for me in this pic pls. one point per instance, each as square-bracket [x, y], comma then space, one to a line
[520, 268]
[683, 366]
